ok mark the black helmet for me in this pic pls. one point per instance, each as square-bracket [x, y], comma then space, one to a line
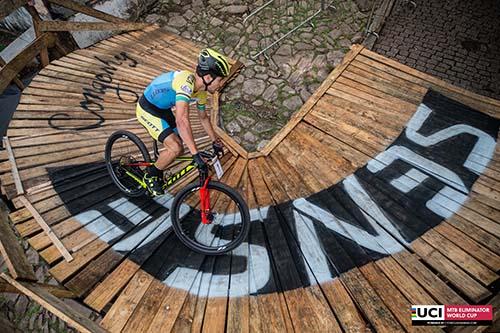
[213, 63]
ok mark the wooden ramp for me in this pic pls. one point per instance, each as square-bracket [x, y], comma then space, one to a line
[381, 192]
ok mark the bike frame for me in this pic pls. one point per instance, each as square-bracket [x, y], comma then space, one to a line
[170, 180]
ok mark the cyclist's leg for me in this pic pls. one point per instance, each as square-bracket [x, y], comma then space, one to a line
[159, 130]
[173, 148]
[153, 124]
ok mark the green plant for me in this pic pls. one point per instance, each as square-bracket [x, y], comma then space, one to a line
[34, 308]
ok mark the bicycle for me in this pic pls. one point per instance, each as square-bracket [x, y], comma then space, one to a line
[221, 221]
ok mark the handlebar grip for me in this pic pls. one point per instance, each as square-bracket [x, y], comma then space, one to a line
[206, 154]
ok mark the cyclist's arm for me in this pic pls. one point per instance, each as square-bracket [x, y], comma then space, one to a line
[205, 121]
[207, 125]
[184, 125]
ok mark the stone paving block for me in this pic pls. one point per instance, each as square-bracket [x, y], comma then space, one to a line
[451, 37]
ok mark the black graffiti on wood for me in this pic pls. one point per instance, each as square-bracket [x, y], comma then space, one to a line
[93, 96]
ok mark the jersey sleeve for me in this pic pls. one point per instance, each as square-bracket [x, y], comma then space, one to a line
[183, 84]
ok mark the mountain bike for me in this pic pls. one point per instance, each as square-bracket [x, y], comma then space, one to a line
[207, 216]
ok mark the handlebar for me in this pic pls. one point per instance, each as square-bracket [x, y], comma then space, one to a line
[207, 154]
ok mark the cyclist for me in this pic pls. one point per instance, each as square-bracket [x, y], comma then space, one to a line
[175, 90]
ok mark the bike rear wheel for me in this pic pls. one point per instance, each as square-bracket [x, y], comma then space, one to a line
[230, 219]
[122, 149]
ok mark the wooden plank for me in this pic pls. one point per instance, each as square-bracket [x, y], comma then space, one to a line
[57, 291]
[348, 134]
[13, 254]
[337, 296]
[216, 304]
[184, 320]
[12, 161]
[487, 195]
[90, 26]
[229, 142]
[336, 164]
[16, 80]
[316, 313]
[474, 249]
[157, 56]
[475, 232]
[478, 219]
[347, 105]
[369, 96]
[403, 281]
[270, 307]
[157, 257]
[144, 312]
[473, 204]
[164, 316]
[214, 115]
[87, 10]
[255, 154]
[92, 273]
[238, 308]
[56, 306]
[369, 310]
[267, 312]
[433, 80]
[55, 201]
[117, 316]
[340, 300]
[470, 287]
[450, 250]
[370, 302]
[110, 287]
[356, 158]
[394, 299]
[10, 71]
[44, 54]
[299, 115]
[414, 91]
[476, 101]
[436, 287]
[198, 313]
[379, 16]
[482, 273]
[130, 222]
[61, 213]
[356, 75]
[55, 240]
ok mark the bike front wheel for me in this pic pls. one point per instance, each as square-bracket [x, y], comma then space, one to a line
[229, 219]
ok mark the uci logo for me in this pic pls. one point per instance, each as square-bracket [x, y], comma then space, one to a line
[427, 312]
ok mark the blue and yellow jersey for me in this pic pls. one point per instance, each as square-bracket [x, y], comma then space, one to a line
[168, 88]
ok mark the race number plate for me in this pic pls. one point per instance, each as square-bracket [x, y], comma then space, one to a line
[218, 168]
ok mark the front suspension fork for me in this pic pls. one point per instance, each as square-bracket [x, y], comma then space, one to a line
[205, 202]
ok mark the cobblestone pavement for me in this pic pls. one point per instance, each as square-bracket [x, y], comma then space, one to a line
[458, 41]
[28, 315]
[269, 89]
